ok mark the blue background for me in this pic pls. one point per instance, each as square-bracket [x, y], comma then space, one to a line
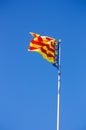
[28, 83]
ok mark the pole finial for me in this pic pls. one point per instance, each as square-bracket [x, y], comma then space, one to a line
[60, 40]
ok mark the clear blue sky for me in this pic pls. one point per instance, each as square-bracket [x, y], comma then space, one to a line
[28, 83]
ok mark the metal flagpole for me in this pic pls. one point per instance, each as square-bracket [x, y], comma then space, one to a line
[58, 96]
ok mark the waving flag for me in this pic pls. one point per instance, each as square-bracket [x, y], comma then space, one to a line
[46, 46]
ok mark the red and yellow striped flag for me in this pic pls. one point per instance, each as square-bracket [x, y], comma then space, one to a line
[46, 46]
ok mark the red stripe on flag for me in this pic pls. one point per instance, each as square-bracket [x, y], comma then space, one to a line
[48, 55]
[40, 39]
[36, 42]
[48, 38]
[50, 49]
[42, 44]
[53, 45]
[33, 48]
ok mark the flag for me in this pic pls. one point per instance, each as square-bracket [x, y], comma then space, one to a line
[46, 46]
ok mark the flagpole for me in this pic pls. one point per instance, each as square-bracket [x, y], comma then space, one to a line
[58, 95]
